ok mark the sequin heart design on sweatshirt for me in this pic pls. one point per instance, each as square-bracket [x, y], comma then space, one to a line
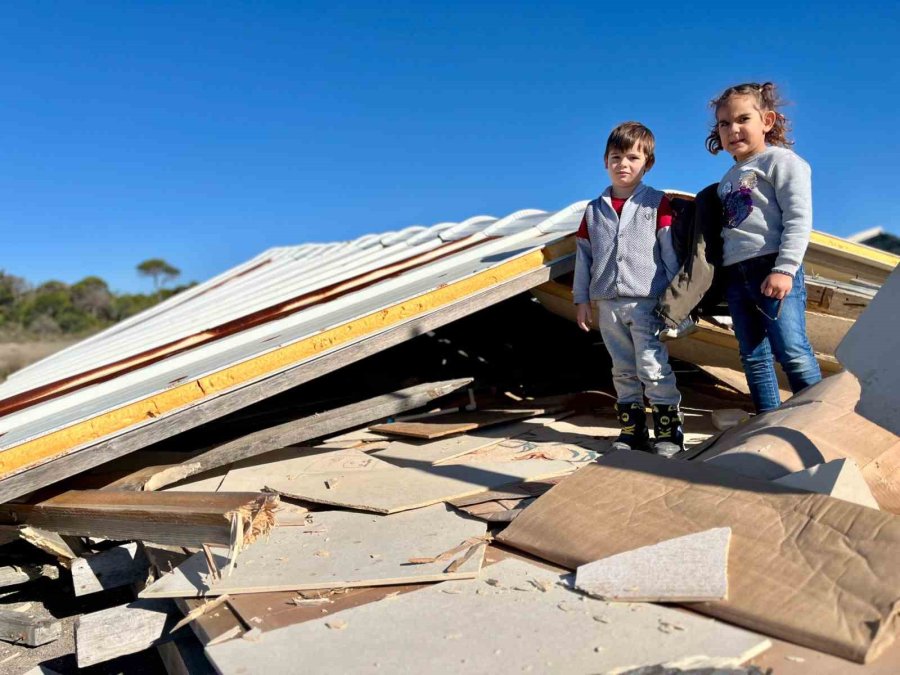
[738, 205]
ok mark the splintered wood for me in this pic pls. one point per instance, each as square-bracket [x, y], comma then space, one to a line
[337, 549]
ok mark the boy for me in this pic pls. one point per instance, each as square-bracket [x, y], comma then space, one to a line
[624, 261]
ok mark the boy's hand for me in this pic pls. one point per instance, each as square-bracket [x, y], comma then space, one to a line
[777, 285]
[584, 316]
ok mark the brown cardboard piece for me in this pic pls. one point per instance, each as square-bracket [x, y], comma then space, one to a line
[807, 568]
[817, 425]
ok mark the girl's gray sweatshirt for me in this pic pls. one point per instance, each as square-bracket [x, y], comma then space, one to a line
[768, 208]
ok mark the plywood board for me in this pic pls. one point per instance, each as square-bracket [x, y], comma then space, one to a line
[391, 489]
[336, 549]
[805, 567]
[293, 462]
[840, 478]
[517, 618]
[692, 568]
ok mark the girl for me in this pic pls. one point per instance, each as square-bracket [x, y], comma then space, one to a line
[767, 198]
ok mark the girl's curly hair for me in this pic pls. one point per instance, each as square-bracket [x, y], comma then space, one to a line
[766, 98]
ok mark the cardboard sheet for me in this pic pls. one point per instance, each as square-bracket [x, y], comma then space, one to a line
[870, 352]
[807, 568]
[817, 425]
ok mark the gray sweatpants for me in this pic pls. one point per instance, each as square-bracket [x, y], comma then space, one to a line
[630, 330]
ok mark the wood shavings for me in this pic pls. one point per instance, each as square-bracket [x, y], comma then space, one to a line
[322, 553]
[447, 555]
[795, 659]
[336, 624]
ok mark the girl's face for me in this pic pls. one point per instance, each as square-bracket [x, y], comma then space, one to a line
[743, 126]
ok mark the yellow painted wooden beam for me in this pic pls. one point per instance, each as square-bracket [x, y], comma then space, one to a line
[866, 254]
[51, 445]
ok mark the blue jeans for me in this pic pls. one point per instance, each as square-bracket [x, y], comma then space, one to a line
[630, 328]
[765, 327]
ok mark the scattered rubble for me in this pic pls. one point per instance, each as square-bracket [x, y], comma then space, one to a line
[253, 513]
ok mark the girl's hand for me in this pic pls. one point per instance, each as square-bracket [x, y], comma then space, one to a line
[583, 315]
[777, 285]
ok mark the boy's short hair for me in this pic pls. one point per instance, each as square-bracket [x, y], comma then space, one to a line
[628, 135]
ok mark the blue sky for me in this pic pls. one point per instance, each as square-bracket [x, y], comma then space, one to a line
[204, 133]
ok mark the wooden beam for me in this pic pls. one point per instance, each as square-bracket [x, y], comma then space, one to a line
[26, 629]
[75, 454]
[115, 567]
[126, 629]
[65, 549]
[177, 518]
[13, 575]
[291, 433]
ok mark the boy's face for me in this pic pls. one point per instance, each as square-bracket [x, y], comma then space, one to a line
[626, 168]
[743, 127]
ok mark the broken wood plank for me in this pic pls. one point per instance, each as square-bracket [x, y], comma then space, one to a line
[691, 568]
[179, 518]
[28, 629]
[65, 548]
[511, 621]
[839, 478]
[296, 431]
[126, 629]
[13, 575]
[453, 423]
[119, 566]
[337, 549]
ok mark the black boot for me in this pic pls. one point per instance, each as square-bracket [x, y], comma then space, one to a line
[668, 438]
[633, 420]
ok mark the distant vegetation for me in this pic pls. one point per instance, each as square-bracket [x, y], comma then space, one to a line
[55, 310]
